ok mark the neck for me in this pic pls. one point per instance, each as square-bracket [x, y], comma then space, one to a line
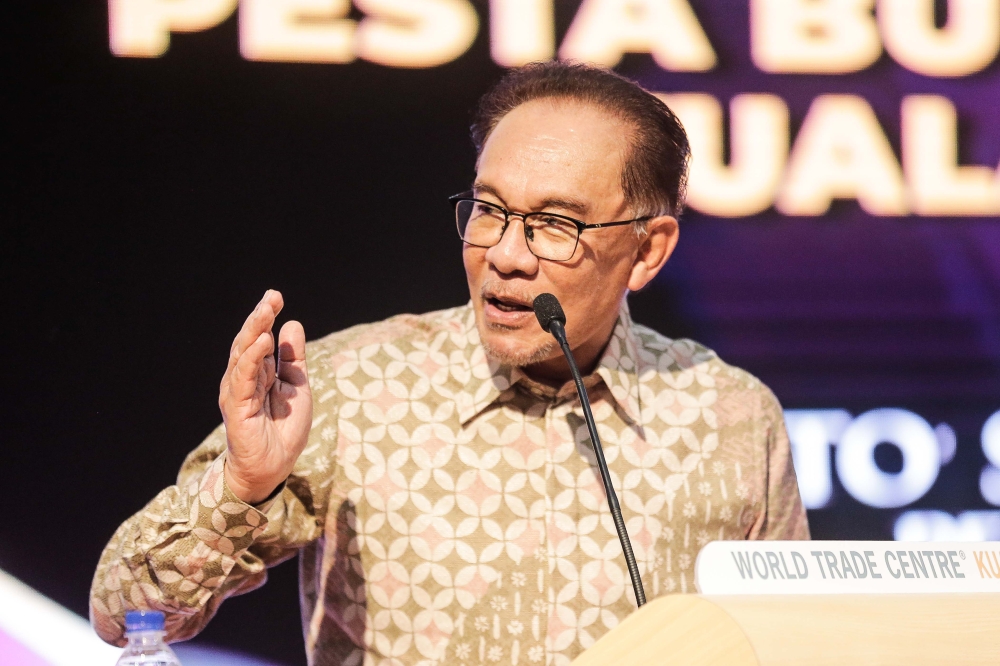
[554, 371]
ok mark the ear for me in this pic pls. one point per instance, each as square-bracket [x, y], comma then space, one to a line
[658, 244]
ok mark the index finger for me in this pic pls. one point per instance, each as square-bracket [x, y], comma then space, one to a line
[260, 321]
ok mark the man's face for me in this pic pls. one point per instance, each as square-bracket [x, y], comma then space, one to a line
[558, 156]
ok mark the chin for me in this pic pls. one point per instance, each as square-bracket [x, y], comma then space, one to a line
[502, 346]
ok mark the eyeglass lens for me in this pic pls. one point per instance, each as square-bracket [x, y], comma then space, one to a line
[548, 237]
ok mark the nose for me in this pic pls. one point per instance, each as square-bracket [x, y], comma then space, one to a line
[511, 254]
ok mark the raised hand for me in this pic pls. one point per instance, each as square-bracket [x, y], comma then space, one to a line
[266, 403]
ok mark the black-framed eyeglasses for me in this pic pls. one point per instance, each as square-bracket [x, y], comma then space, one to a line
[548, 235]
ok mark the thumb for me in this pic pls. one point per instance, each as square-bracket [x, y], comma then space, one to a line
[292, 355]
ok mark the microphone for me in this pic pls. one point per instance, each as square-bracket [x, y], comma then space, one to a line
[550, 315]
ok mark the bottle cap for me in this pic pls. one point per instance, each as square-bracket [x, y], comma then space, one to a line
[144, 620]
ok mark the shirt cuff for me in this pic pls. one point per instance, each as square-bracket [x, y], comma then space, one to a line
[265, 505]
[222, 520]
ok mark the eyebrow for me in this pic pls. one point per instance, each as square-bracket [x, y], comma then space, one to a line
[573, 205]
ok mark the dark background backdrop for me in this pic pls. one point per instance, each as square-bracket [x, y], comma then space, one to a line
[148, 203]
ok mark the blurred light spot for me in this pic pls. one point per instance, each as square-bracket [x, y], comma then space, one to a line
[862, 477]
[991, 439]
[942, 526]
[989, 484]
[947, 442]
[811, 432]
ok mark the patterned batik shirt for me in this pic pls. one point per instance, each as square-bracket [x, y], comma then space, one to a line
[447, 510]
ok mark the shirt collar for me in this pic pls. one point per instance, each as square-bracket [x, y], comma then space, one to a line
[488, 380]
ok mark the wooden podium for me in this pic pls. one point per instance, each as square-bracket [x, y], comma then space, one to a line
[818, 630]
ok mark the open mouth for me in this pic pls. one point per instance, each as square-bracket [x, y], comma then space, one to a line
[508, 305]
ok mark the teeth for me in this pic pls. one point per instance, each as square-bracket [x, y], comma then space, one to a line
[504, 306]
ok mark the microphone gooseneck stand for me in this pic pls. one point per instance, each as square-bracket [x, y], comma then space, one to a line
[552, 319]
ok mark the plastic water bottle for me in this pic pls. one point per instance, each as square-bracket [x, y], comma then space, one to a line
[144, 630]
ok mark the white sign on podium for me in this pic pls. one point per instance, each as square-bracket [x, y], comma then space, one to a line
[846, 567]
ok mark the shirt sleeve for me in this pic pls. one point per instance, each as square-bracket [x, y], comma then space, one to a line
[784, 517]
[196, 544]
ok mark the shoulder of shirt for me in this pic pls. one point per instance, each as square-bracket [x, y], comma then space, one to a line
[412, 327]
[685, 354]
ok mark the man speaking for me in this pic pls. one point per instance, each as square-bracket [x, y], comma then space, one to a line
[434, 472]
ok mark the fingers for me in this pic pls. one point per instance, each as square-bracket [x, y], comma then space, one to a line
[259, 321]
[292, 354]
[246, 375]
[252, 365]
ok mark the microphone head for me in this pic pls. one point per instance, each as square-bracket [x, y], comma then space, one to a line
[548, 310]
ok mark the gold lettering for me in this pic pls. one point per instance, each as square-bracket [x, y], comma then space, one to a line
[983, 571]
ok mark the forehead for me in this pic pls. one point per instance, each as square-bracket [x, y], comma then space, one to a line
[554, 147]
